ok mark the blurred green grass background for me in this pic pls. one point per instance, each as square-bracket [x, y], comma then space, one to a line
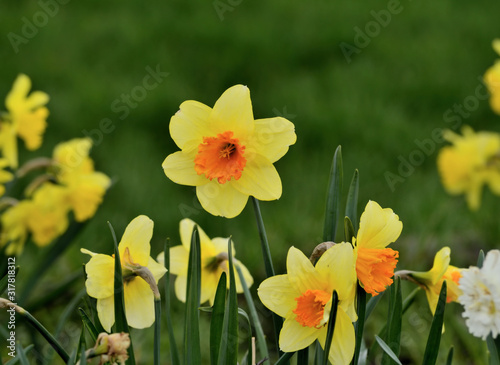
[426, 59]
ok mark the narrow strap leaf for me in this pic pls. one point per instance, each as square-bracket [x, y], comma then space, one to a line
[394, 323]
[174, 353]
[303, 356]
[217, 321]
[284, 358]
[89, 325]
[331, 326]
[192, 352]
[334, 192]
[372, 303]
[388, 350]
[351, 209]
[360, 324]
[449, 359]
[157, 330]
[434, 339]
[348, 229]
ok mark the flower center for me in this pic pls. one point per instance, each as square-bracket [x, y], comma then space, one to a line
[375, 268]
[220, 157]
[311, 307]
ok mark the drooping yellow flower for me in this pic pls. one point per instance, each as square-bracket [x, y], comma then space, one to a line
[227, 154]
[303, 297]
[75, 170]
[5, 176]
[214, 257]
[492, 80]
[432, 280]
[470, 162]
[26, 118]
[375, 262]
[134, 249]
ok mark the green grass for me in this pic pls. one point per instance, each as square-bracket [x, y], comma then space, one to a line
[427, 59]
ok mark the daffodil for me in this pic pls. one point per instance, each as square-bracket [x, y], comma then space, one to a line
[5, 176]
[303, 297]
[75, 170]
[432, 280]
[134, 249]
[492, 80]
[375, 263]
[214, 258]
[470, 162]
[227, 154]
[26, 118]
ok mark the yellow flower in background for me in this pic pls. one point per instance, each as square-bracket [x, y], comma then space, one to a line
[214, 257]
[47, 216]
[470, 162]
[75, 170]
[227, 154]
[303, 298]
[26, 118]
[492, 80]
[134, 249]
[375, 262]
[5, 176]
[432, 280]
[14, 223]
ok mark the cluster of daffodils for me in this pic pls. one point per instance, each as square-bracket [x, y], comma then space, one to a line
[473, 159]
[68, 182]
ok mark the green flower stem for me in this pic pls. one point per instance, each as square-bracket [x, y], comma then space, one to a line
[264, 353]
[157, 330]
[39, 327]
[268, 263]
[359, 326]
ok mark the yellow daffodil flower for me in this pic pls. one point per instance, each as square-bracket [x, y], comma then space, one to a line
[5, 176]
[213, 263]
[303, 297]
[75, 170]
[492, 80]
[470, 162]
[134, 249]
[375, 262]
[227, 154]
[432, 280]
[26, 119]
[14, 223]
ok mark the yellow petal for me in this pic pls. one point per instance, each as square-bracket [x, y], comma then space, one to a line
[259, 179]
[137, 237]
[19, 91]
[179, 259]
[278, 295]
[496, 45]
[294, 336]
[8, 144]
[220, 245]
[343, 342]
[435, 274]
[106, 312]
[233, 112]
[190, 124]
[221, 199]
[156, 269]
[378, 227]
[301, 273]
[100, 275]
[37, 99]
[139, 303]
[337, 267]
[186, 230]
[272, 137]
[209, 282]
[179, 167]
[86, 194]
[181, 287]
